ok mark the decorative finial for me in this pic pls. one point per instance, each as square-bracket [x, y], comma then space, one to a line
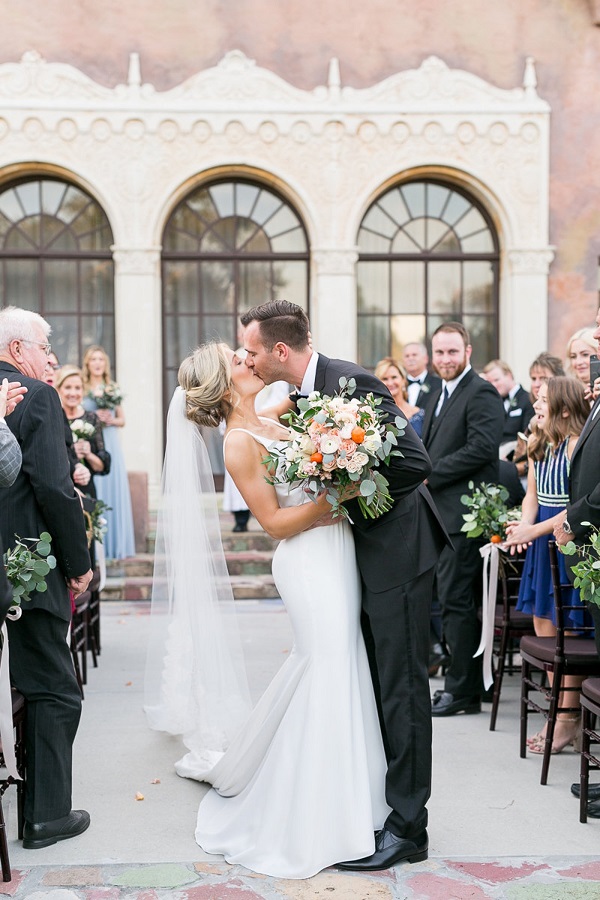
[530, 78]
[134, 75]
[334, 81]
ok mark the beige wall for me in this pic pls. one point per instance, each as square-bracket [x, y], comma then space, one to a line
[372, 40]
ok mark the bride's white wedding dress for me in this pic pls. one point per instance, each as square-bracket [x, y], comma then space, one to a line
[302, 785]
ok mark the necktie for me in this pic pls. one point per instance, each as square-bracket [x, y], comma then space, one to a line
[445, 396]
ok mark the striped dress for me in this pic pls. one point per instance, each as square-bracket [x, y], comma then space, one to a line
[552, 481]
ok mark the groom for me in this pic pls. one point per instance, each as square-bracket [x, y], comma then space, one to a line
[396, 555]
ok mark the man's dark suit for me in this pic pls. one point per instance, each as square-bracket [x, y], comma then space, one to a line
[462, 442]
[584, 491]
[431, 384]
[42, 498]
[518, 416]
[396, 556]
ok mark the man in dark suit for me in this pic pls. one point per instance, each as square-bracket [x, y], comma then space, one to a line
[518, 408]
[422, 384]
[584, 506]
[461, 432]
[396, 556]
[42, 498]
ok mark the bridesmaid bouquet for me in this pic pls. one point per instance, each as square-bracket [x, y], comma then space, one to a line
[82, 430]
[107, 396]
[336, 445]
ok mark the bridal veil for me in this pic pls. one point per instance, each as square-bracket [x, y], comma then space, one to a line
[195, 682]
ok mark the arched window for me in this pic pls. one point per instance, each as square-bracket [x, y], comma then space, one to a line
[55, 259]
[227, 246]
[428, 253]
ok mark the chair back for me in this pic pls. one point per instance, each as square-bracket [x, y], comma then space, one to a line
[509, 578]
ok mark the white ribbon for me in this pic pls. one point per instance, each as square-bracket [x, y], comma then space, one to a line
[101, 563]
[7, 736]
[491, 563]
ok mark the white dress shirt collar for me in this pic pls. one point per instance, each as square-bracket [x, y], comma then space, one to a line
[308, 382]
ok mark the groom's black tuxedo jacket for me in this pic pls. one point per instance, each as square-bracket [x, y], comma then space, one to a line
[43, 497]
[405, 542]
[584, 480]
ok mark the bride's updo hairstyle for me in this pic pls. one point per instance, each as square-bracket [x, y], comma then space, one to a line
[205, 376]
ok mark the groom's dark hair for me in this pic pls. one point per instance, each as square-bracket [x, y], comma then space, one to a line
[280, 321]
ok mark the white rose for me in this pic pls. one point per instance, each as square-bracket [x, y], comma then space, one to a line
[360, 458]
[372, 442]
[352, 464]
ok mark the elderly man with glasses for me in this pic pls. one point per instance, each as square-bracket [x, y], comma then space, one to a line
[42, 498]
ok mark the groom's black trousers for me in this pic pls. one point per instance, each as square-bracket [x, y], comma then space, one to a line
[396, 629]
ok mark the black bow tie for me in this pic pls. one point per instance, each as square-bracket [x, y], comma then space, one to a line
[414, 380]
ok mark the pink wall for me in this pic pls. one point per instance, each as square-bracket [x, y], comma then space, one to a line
[296, 39]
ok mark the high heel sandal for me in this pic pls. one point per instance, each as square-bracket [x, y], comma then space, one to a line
[537, 738]
[558, 745]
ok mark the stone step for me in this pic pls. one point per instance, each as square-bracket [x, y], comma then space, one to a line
[239, 562]
[245, 587]
[248, 554]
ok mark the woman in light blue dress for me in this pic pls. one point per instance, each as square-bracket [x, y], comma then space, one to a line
[102, 396]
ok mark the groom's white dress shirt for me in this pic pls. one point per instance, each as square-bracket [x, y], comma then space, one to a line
[308, 382]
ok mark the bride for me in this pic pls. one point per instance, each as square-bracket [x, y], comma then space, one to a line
[297, 782]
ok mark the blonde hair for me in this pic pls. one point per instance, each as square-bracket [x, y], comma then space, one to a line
[384, 364]
[66, 372]
[587, 336]
[85, 371]
[205, 376]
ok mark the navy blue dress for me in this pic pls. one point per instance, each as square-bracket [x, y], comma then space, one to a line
[535, 594]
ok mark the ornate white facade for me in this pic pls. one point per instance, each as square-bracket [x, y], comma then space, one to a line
[330, 151]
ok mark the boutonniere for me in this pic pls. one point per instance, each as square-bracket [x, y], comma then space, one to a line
[513, 403]
[425, 388]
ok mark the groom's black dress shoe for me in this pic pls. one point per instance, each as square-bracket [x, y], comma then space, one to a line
[446, 704]
[42, 834]
[390, 850]
[593, 790]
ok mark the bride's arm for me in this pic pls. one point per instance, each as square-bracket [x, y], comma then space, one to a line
[244, 464]
[278, 410]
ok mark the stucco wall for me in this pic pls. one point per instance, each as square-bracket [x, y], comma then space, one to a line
[296, 38]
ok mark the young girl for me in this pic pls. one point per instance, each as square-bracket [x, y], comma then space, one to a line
[561, 411]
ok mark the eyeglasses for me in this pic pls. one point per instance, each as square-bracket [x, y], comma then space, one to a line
[47, 347]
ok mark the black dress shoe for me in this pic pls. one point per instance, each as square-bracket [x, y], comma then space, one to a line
[42, 834]
[390, 850]
[593, 790]
[593, 809]
[239, 527]
[446, 704]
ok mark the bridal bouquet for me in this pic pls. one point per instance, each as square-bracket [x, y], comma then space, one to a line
[81, 429]
[337, 443]
[107, 396]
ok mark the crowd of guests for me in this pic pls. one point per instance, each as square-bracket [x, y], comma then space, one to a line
[487, 428]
